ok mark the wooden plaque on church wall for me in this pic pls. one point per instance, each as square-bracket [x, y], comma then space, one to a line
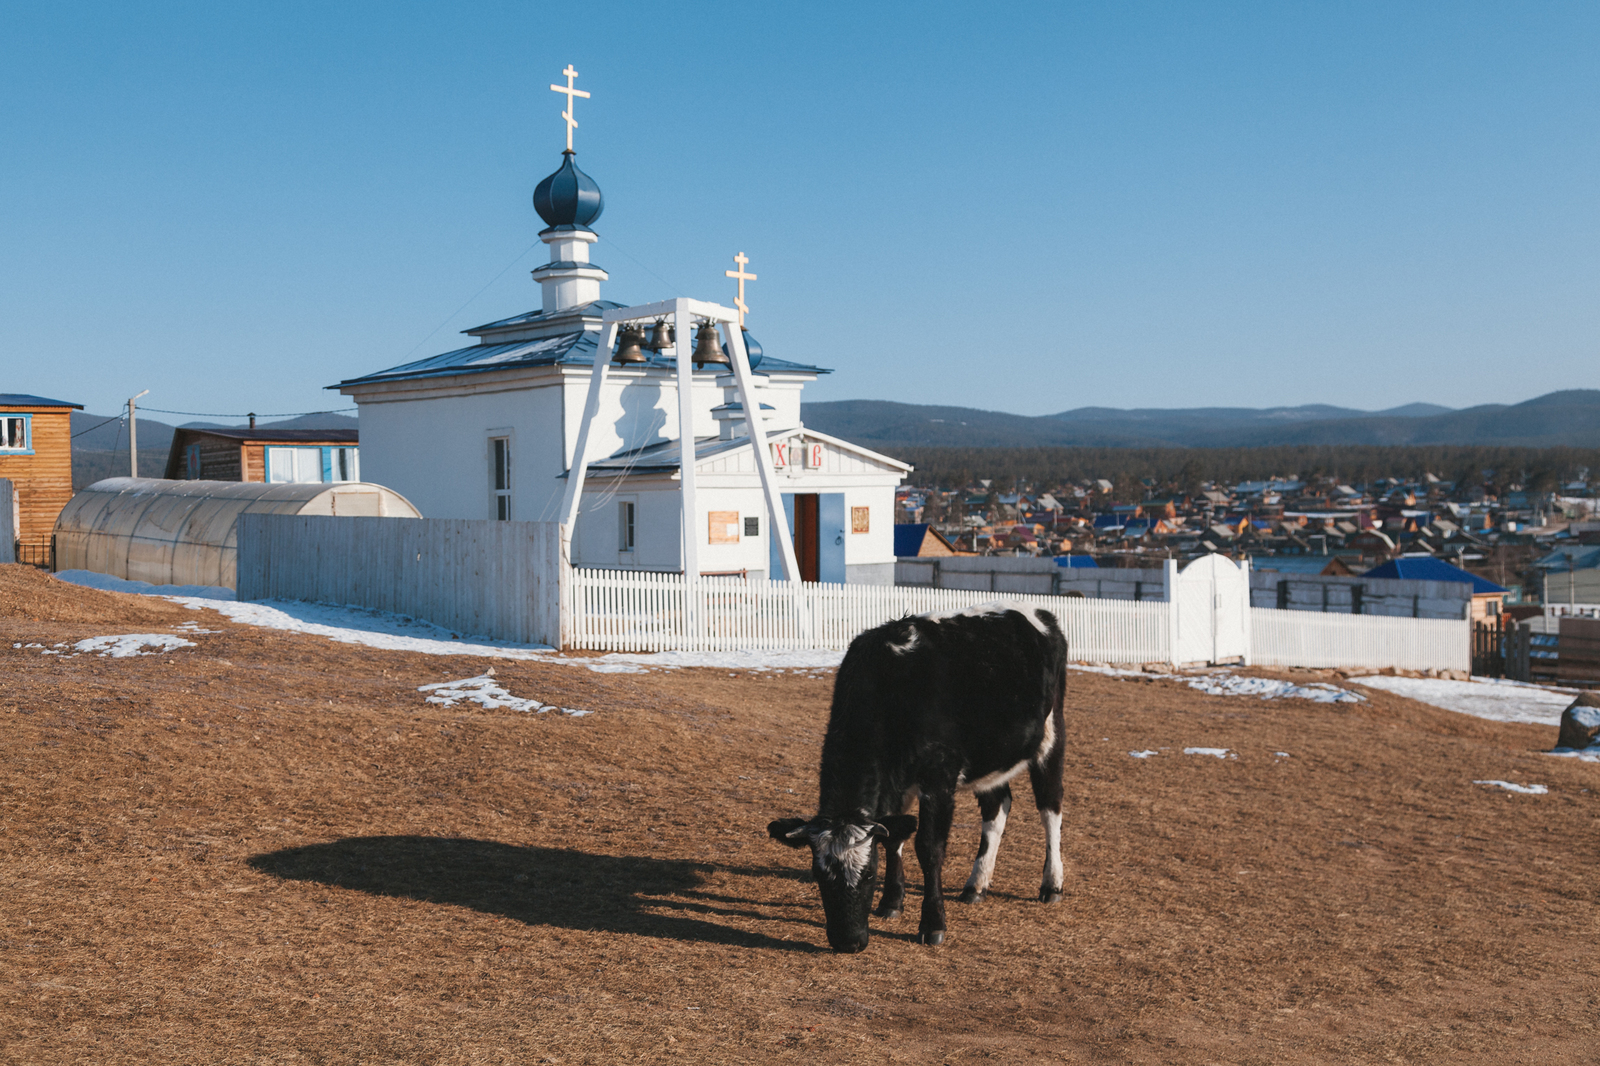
[724, 527]
[860, 519]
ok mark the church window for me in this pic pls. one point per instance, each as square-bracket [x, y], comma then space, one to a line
[500, 477]
[625, 526]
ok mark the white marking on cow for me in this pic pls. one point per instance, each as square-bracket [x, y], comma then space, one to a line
[846, 850]
[990, 782]
[988, 848]
[1048, 744]
[990, 607]
[911, 642]
[1051, 820]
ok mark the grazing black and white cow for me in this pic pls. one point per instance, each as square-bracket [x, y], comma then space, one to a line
[922, 707]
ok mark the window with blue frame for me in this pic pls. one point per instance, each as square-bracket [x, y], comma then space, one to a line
[16, 434]
[313, 464]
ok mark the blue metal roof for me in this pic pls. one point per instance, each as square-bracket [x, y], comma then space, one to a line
[22, 399]
[593, 310]
[1431, 569]
[566, 349]
[1077, 562]
[664, 455]
[908, 537]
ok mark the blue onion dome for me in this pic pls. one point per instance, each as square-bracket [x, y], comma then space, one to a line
[752, 348]
[569, 197]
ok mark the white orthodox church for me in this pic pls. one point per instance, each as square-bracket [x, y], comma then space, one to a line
[491, 431]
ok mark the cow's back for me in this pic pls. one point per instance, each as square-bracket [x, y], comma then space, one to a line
[924, 698]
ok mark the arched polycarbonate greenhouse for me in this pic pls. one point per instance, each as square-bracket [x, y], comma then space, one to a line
[186, 532]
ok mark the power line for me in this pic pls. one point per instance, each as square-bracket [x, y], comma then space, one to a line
[247, 414]
[474, 296]
[96, 426]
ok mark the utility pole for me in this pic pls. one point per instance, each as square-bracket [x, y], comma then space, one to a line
[133, 437]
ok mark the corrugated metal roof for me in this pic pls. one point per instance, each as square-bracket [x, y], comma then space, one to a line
[22, 399]
[280, 436]
[566, 349]
[665, 455]
[533, 318]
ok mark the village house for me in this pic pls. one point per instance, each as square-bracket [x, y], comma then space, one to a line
[36, 457]
[491, 430]
[264, 455]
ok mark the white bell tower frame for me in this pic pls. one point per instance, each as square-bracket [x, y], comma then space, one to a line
[683, 313]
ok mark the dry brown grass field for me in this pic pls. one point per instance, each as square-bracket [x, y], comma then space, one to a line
[269, 848]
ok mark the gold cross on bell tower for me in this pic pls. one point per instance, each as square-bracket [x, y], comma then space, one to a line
[744, 308]
[570, 92]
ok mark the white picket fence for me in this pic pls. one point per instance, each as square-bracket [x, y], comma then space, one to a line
[616, 610]
[613, 610]
[1359, 641]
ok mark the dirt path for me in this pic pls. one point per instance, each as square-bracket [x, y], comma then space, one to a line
[268, 847]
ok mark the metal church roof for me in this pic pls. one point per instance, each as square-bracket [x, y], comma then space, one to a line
[567, 349]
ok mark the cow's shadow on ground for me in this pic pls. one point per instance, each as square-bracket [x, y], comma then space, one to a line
[543, 886]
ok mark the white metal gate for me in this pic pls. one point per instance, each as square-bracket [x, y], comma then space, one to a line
[1211, 598]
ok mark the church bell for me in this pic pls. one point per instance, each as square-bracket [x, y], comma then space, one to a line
[661, 336]
[707, 348]
[629, 346]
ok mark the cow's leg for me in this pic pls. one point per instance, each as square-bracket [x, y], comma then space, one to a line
[933, 833]
[893, 900]
[995, 805]
[1047, 791]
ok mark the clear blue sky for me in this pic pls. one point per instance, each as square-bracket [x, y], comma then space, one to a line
[1025, 207]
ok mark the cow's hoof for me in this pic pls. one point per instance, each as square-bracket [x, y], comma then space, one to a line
[1049, 895]
[933, 938]
[887, 911]
[972, 895]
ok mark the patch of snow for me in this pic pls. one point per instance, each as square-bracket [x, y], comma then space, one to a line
[1526, 790]
[130, 644]
[1480, 697]
[107, 583]
[357, 625]
[1221, 753]
[486, 692]
[1269, 689]
[1142, 754]
[1589, 754]
[1281, 754]
[1222, 682]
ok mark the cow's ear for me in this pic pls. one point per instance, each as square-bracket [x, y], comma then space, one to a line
[790, 831]
[895, 829]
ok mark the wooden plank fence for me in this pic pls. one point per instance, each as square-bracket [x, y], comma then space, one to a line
[480, 578]
[505, 581]
[1311, 639]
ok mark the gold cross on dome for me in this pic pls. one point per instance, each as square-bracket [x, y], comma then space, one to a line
[744, 308]
[570, 92]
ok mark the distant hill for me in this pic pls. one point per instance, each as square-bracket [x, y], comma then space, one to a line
[1570, 418]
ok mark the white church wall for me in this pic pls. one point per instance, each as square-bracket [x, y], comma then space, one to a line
[747, 553]
[869, 556]
[436, 451]
[596, 535]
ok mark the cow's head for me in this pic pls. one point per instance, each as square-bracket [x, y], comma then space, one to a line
[844, 858]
